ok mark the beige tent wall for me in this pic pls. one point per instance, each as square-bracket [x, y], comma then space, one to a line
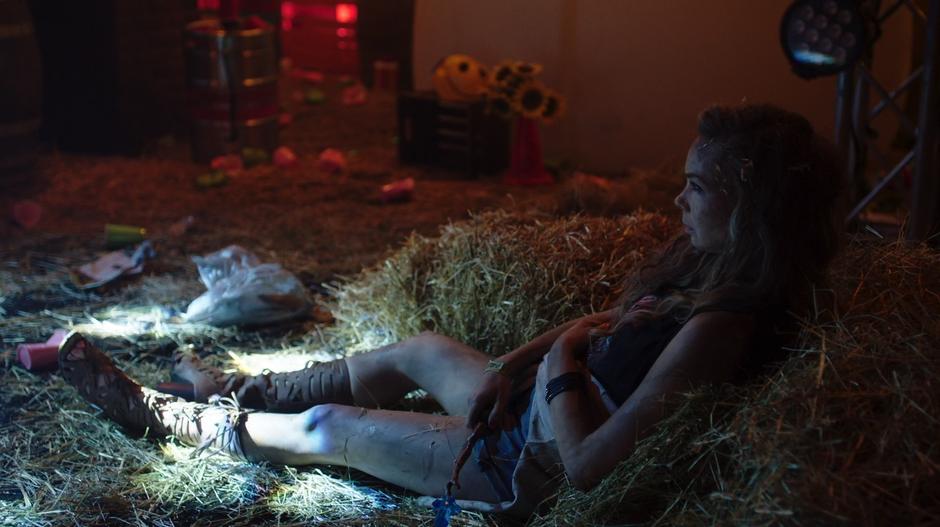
[636, 72]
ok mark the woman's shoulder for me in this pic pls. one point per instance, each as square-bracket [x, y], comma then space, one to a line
[761, 312]
[722, 321]
[708, 347]
[743, 306]
[758, 333]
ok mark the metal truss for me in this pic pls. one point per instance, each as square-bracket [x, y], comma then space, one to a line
[854, 113]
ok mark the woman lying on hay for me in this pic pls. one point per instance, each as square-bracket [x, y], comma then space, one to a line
[759, 209]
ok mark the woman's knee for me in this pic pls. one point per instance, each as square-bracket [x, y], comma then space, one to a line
[429, 345]
[430, 339]
[325, 427]
[430, 349]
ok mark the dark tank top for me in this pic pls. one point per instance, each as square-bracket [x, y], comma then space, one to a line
[621, 360]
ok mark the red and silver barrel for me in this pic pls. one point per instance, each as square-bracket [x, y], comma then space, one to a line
[231, 71]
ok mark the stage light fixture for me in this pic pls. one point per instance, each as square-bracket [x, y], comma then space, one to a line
[823, 37]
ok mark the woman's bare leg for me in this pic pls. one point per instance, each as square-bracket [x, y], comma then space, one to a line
[447, 369]
[412, 450]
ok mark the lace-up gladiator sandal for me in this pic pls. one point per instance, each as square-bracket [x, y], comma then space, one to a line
[293, 391]
[145, 411]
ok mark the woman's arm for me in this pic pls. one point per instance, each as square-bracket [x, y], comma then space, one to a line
[492, 397]
[531, 352]
[707, 349]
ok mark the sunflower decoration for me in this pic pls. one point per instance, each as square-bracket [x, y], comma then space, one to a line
[500, 105]
[514, 90]
[526, 69]
[529, 99]
[553, 108]
[502, 74]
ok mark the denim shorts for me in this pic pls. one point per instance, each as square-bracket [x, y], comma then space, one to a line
[498, 454]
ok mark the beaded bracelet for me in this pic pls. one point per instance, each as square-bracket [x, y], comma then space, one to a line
[566, 381]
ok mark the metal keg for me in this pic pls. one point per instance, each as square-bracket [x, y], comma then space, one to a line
[232, 80]
[20, 95]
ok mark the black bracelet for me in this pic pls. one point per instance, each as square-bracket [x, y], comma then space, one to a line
[572, 380]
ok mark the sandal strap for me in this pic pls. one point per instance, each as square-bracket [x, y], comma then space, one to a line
[214, 428]
[226, 438]
[94, 375]
[294, 391]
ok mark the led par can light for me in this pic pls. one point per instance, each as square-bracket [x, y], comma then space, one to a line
[822, 37]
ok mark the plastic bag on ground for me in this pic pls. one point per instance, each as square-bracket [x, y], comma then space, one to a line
[244, 291]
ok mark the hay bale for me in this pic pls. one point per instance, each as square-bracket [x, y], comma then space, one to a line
[496, 281]
[844, 433]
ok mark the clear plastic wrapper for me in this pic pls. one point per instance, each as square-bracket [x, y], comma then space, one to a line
[243, 291]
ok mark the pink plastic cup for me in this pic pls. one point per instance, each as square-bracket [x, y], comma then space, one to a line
[41, 355]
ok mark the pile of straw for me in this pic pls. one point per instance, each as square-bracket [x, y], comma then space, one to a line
[495, 281]
[845, 433]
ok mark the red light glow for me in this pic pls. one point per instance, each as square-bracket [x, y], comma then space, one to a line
[344, 32]
[207, 5]
[346, 13]
[288, 10]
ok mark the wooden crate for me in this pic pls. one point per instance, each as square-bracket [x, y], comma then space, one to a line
[455, 135]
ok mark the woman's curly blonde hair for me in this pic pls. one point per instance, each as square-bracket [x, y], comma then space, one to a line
[784, 181]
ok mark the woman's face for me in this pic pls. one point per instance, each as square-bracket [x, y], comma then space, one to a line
[706, 208]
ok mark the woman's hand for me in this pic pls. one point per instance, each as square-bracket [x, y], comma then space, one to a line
[490, 401]
[569, 352]
[488, 404]
[577, 339]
